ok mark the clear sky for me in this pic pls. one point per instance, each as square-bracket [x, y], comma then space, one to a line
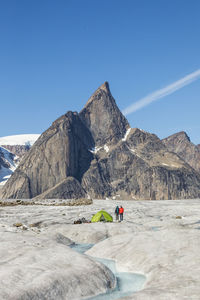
[55, 53]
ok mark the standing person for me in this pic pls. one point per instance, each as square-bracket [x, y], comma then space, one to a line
[121, 212]
[117, 213]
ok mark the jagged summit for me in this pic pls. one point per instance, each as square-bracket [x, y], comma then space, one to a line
[105, 87]
[103, 118]
[182, 135]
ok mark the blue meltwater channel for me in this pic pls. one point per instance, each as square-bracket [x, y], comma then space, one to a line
[127, 283]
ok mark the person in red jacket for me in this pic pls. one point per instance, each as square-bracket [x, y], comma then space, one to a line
[121, 212]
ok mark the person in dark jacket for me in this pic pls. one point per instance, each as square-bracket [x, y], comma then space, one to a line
[117, 213]
[121, 212]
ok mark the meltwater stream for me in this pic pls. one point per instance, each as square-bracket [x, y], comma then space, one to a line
[127, 283]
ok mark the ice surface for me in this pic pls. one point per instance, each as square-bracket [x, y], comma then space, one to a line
[81, 248]
[127, 283]
[37, 260]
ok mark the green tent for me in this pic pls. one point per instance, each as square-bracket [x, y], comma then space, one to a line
[102, 215]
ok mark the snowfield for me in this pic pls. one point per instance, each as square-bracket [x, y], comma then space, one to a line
[20, 139]
[157, 239]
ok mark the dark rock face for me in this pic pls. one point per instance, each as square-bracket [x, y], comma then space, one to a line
[95, 153]
[140, 168]
[180, 144]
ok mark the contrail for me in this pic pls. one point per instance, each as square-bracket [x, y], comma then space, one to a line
[169, 89]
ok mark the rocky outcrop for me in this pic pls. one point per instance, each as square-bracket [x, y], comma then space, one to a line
[96, 154]
[69, 188]
[180, 144]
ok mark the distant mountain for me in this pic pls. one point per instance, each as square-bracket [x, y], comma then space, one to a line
[8, 163]
[18, 144]
[180, 143]
[12, 149]
[20, 139]
[96, 154]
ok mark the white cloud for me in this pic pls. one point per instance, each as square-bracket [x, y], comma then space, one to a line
[162, 92]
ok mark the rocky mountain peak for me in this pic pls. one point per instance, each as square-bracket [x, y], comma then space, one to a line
[179, 136]
[103, 118]
[105, 87]
[96, 154]
[180, 143]
[183, 136]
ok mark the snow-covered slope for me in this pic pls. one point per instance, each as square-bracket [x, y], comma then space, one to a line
[8, 159]
[20, 139]
[8, 163]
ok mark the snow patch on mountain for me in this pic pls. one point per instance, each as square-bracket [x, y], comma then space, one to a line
[20, 139]
[126, 135]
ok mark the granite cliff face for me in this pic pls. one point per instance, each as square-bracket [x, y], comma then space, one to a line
[96, 154]
[180, 144]
[59, 153]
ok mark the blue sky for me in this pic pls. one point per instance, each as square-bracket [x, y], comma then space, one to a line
[55, 53]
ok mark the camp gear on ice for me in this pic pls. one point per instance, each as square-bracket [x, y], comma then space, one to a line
[102, 215]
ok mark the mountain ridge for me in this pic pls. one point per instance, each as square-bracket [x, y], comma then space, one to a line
[96, 154]
[181, 144]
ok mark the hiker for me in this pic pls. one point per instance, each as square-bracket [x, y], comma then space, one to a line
[121, 211]
[117, 213]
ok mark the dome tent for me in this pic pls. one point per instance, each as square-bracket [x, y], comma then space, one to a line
[102, 215]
